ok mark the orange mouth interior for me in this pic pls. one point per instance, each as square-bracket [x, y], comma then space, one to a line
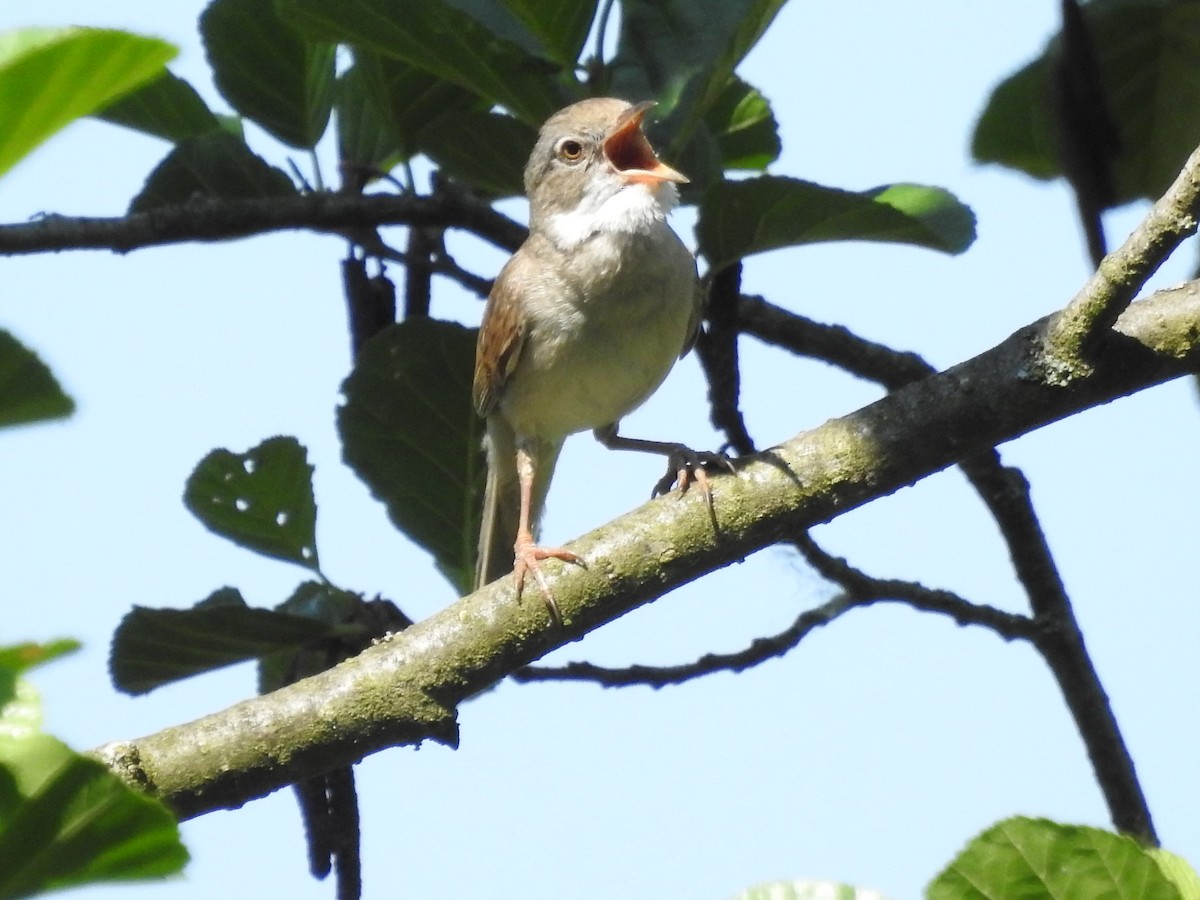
[627, 148]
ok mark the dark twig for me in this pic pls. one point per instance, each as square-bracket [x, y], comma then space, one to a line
[857, 590]
[758, 652]
[717, 349]
[218, 220]
[370, 301]
[1059, 640]
[834, 344]
[418, 280]
[441, 263]
[1006, 493]
[856, 583]
[1085, 131]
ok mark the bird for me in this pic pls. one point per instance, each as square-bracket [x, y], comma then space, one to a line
[582, 324]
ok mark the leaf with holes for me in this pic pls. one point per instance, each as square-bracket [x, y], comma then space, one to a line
[261, 499]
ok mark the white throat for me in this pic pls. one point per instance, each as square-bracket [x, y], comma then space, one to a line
[630, 208]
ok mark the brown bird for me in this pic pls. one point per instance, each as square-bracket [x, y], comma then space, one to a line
[582, 324]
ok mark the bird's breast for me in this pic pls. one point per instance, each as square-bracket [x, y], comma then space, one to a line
[603, 336]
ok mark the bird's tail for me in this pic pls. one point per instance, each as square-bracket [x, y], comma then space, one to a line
[502, 498]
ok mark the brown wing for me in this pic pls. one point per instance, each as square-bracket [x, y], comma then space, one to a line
[498, 347]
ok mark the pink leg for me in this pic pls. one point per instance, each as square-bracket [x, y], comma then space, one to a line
[528, 555]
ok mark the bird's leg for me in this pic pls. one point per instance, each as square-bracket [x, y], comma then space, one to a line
[528, 555]
[684, 465]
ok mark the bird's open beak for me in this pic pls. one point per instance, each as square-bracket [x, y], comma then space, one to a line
[628, 151]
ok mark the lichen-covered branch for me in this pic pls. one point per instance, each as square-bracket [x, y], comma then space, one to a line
[1087, 318]
[405, 690]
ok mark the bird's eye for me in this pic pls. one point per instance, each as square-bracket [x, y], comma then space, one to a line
[570, 150]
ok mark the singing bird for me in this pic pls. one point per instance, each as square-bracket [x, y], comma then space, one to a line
[583, 323]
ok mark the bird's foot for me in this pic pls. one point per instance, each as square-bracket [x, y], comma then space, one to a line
[685, 465]
[529, 557]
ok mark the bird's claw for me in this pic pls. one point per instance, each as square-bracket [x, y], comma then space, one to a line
[529, 557]
[685, 465]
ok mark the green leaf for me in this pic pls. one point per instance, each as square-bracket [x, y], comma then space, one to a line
[1147, 53]
[410, 431]
[20, 708]
[19, 658]
[267, 69]
[408, 98]
[69, 821]
[669, 48]
[214, 165]
[50, 77]
[454, 143]
[167, 107]
[1177, 870]
[261, 499]
[442, 40]
[153, 647]
[1034, 858]
[744, 127]
[740, 218]
[28, 390]
[807, 890]
[1017, 126]
[366, 144]
[561, 27]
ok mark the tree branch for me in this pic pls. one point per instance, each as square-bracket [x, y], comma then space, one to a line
[858, 590]
[1006, 493]
[717, 349]
[219, 220]
[1121, 274]
[405, 689]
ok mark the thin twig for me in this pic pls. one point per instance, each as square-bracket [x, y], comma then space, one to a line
[441, 263]
[856, 583]
[857, 590]
[717, 350]
[761, 650]
[835, 344]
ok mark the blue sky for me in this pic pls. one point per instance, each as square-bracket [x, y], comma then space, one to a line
[870, 754]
